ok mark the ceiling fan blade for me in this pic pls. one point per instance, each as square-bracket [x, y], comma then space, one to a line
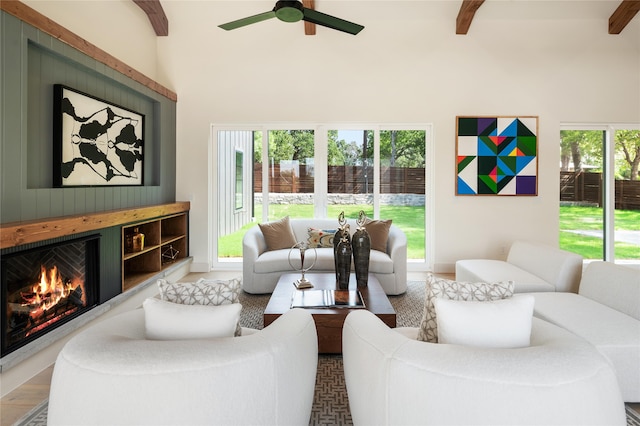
[319, 18]
[248, 20]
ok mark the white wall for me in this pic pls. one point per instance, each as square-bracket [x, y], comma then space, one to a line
[551, 59]
[407, 65]
[118, 27]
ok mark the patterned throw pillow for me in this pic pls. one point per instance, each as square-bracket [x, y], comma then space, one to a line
[457, 290]
[319, 238]
[202, 292]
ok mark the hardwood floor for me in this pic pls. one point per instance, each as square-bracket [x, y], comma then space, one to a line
[19, 402]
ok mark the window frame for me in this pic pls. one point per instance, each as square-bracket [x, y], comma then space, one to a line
[321, 176]
[608, 167]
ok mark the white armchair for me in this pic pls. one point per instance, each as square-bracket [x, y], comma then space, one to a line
[394, 379]
[111, 375]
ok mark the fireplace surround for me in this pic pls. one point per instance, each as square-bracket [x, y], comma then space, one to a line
[110, 292]
[44, 286]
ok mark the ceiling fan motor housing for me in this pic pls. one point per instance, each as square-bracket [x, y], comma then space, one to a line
[289, 10]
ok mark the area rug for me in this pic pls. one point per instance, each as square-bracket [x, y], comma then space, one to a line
[331, 403]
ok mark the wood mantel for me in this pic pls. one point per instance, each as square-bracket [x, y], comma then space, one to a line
[19, 233]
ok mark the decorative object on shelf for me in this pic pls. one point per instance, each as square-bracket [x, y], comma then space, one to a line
[361, 245]
[497, 155]
[128, 238]
[137, 240]
[303, 282]
[96, 143]
[343, 231]
[170, 254]
[163, 233]
[343, 262]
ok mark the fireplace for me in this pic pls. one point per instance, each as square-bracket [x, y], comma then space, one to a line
[46, 286]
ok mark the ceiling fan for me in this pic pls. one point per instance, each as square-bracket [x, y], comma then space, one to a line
[294, 11]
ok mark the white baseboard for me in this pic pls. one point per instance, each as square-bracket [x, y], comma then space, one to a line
[444, 268]
[200, 267]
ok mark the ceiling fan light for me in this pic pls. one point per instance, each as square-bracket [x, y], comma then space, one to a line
[289, 11]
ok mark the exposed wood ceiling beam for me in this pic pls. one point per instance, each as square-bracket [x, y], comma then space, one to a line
[309, 27]
[623, 15]
[465, 15]
[156, 15]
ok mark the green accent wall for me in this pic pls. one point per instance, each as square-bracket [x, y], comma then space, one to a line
[31, 63]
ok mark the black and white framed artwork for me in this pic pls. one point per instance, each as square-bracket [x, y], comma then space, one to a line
[96, 143]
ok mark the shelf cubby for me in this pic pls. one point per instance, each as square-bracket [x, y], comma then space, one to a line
[160, 234]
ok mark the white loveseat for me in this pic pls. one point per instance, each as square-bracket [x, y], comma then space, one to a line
[532, 266]
[111, 375]
[394, 379]
[605, 312]
[262, 268]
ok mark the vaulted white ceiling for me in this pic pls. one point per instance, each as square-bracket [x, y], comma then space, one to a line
[624, 12]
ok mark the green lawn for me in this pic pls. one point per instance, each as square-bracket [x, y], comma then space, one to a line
[590, 218]
[411, 221]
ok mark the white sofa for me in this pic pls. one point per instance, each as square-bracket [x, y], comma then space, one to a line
[605, 312]
[111, 375]
[394, 379]
[262, 268]
[532, 266]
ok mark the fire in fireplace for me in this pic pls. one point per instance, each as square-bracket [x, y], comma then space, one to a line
[46, 286]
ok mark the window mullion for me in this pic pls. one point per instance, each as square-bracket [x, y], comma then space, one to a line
[608, 181]
[376, 173]
[266, 167]
[321, 186]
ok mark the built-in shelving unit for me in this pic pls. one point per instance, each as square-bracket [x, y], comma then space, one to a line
[165, 241]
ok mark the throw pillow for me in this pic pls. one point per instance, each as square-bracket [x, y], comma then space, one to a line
[202, 292]
[319, 238]
[495, 324]
[278, 234]
[456, 290]
[378, 231]
[173, 321]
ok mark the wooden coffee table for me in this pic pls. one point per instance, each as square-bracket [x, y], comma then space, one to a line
[329, 321]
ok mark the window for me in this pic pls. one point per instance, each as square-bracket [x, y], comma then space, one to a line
[599, 207]
[290, 166]
[350, 173]
[402, 186]
[321, 170]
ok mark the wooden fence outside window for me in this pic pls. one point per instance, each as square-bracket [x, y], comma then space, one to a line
[580, 187]
[587, 187]
[342, 180]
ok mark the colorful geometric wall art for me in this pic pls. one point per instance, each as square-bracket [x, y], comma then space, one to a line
[497, 155]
